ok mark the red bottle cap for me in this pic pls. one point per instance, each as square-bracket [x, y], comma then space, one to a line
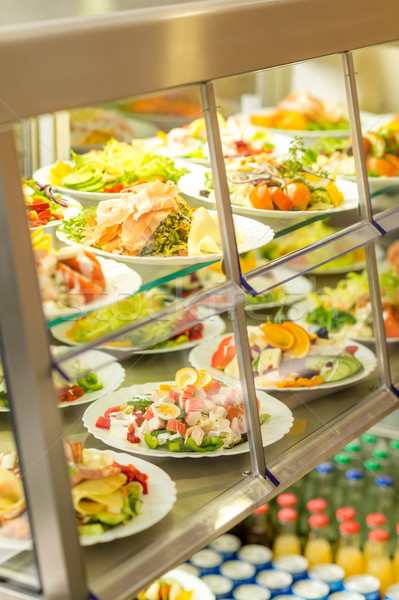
[376, 520]
[379, 535]
[349, 527]
[289, 500]
[317, 505]
[287, 514]
[262, 509]
[345, 513]
[318, 520]
[397, 527]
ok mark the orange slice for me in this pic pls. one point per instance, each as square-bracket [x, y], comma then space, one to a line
[302, 344]
[278, 336]
[185, 377]
[204, 379]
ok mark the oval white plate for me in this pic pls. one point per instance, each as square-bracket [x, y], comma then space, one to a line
[192, 183]
[156, 505]
[274, 429]
[191, 583]
[254, 235]
[212, 327]
[121, 282]
[300, 310]
[200, 358]
[108, 370]
[294, 289]
[74, 208]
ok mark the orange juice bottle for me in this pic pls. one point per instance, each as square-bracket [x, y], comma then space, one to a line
[373, 521]
[317, 548]
[379, 563]
[395, 561]
[287, 540]
[349, 556]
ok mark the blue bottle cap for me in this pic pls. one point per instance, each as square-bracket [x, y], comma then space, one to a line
[354, 474]
[325, 467]
[384, 481]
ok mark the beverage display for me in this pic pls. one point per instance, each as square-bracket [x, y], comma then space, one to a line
[379, 562]
[287, 540]
[349, 555]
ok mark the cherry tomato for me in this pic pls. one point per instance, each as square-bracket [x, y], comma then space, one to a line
[299, 194]
[260, 197]
[280, 199]
[381, 167]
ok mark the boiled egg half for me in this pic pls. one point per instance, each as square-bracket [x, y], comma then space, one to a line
[165, 410]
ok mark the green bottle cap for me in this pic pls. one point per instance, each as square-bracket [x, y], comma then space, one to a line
[342, 459]
[368, 438]
[372, 465]
[352, 447]
[394, 444]
[380, 453]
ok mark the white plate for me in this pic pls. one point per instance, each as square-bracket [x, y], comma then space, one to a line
[190, 583]
[212, 327]
[156, 505]
[191, 184]
[294, 289]
[43, 176]
[109, 372]
[121, 282]
[254, 235]
[299, 311]
[74, 208]
[377, 184]
[200, 358]
[274, 429]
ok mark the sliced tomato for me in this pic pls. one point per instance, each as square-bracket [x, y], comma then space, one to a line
[223, 356]
[280, 199]
[391, 321]
[260, 197]
[299, 194]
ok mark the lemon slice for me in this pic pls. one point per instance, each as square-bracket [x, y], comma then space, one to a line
[185, 377]
[204, 379]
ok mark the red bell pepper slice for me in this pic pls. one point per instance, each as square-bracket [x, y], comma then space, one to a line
[112, 410]
[103, 422]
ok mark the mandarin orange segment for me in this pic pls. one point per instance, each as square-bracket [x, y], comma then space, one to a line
[278, 336]
[303, 342]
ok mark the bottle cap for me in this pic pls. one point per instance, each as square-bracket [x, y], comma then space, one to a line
[380, 453]
[287, 500]
[378, 535]
[368, 438]
[352, 447]
[354, 474]
[342, 459]
[397, 527]
[325, 467]
[349, 527]
[345, 513]
[262, 509]
[318, 520]
[372, 465]
[316, 505]
[287, 514]
[384, 481]
[376, 520]
[394, 444]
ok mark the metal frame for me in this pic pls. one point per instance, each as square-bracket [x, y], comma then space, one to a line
[194, 26]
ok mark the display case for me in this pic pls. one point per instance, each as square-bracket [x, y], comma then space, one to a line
[143, 50]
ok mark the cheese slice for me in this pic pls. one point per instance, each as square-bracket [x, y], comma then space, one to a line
[204, 236]
[96, 495]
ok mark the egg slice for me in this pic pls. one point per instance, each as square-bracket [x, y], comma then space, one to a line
[165, 410]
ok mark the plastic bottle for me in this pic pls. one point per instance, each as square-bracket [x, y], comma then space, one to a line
[318, 548]
[369, 442]
[257, 527]
[319, 482]
[354, 491]
[344, 513]
[395, 560]
[287, 540]
[379, 563]
[373, 521]
[348, 555]
[384, 498]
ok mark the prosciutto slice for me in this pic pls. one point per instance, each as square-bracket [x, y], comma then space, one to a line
[126, 224]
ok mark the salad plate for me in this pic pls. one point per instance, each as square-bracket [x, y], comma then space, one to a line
[189, 583]
[299, 311]
[279, 423]
[212, 327]
[121, 282]
[200, 358]
[192, 184]
[252, 233]
[155, 506]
